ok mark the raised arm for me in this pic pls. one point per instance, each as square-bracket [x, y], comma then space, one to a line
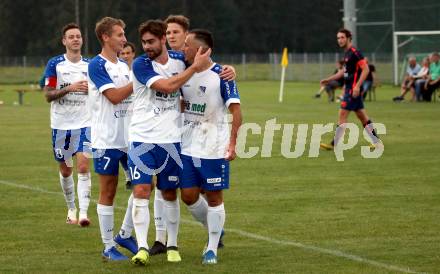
[172, 84]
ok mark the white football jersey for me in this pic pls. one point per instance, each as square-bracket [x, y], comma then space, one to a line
[109, 122]
[207, 98]
[70, 111]
[156, 116]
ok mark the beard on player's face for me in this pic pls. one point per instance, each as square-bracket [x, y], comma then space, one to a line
[153, 53]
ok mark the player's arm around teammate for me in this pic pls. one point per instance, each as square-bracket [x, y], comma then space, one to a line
[154, 132]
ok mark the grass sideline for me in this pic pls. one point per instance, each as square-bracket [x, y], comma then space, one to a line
[384, 210]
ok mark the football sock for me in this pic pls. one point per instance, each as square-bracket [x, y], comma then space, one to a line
[172, 217]
[141, 221]
[199, 210]
[371, 131]
[216, 221]
[127, 224]
[106, 219]
[159, 217]
[67, 185]
[84, 187]
[339, 133]
[127, 175]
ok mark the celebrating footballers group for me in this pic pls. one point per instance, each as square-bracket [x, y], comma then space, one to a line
[164, 117]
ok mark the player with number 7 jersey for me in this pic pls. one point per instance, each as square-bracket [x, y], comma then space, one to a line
[110, 92]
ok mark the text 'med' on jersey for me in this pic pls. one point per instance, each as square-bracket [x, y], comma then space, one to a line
[207, 98]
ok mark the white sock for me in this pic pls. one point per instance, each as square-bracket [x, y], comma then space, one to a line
[127, 175]
[106, 222]
[141, 221]
[159, 217]
[216, 221]
[127, 224]
[199, 210]
[84, 188]
[67, 185]
[172, 217]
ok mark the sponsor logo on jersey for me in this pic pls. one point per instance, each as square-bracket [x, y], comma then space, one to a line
[201, 91]
[63, 85]
[214, 180]
[194, 108]
[173, 178]
[123, 113]
[164, 95]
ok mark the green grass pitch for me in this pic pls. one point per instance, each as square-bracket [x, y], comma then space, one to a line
[301, 215]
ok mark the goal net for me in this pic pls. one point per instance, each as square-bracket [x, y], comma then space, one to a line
[412, 43]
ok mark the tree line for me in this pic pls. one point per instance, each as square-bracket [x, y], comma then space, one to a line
[33, 27]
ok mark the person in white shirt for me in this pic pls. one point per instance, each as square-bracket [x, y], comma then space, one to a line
[420, 79]
[155, 132]
[408, 81]
[208, 145]
[66, 90]
[110, 92]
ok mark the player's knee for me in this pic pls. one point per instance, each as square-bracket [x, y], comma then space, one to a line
[215, 198]
[83, 168]
[65, 171]
[141, 191]
[169, 194]
[188, 197]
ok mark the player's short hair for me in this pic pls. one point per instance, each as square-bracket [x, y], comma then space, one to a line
[156, 27]
[69, 26]
[131, 45]
[346, 32]
[105, 26]
[341, 62]
[178, 19]
[204, 36]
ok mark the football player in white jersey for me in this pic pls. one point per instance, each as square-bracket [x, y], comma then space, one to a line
[66, 89]
[110, 97]
[177, 29]
[207, 144]
[154, 132]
